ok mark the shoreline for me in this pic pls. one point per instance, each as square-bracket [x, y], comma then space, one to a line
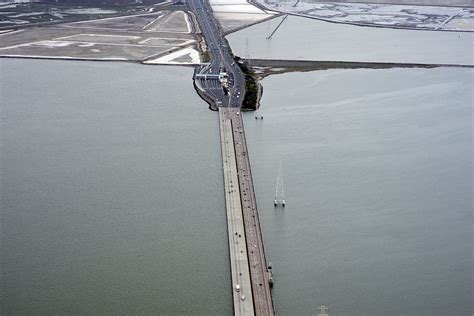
[267, 67]
[361, 24]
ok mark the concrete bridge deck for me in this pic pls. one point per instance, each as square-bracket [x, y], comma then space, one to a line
[241, 201]
[243, 301]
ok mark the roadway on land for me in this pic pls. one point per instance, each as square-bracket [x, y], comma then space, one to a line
[220, 58]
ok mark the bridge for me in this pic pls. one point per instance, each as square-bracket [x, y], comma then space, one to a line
[250, 274]
[241, 284]
[253, 277]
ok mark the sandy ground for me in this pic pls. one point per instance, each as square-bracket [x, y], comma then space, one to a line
[186, 56]
[172, 22]
[131, 38]
[236, 6]
[237, 14]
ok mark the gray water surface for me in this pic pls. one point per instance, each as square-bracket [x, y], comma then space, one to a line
[377, 170]
[111, 192]
[307, 39]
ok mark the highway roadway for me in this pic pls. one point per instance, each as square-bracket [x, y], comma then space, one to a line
[249, 269]
[237, 163]
[239, 262]
[220, 58]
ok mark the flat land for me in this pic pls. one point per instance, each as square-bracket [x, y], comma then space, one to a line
[132, 38]
[432, 15]
[26, 14]
[234, 15]
[265, 67]
[452, 3]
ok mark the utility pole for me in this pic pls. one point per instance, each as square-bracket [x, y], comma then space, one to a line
[278, 26]
[247, 54]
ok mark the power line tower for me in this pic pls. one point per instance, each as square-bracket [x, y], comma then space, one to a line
[247, 54]
[278, 26]
[323, 310]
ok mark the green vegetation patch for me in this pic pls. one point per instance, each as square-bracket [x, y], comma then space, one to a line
[251, 97]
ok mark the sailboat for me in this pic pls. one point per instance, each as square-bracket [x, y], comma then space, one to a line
[279, 192]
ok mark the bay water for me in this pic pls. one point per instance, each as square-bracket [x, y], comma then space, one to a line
[377, 170]
[111, 192]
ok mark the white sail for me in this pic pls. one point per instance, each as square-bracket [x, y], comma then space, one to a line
[279, 191]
